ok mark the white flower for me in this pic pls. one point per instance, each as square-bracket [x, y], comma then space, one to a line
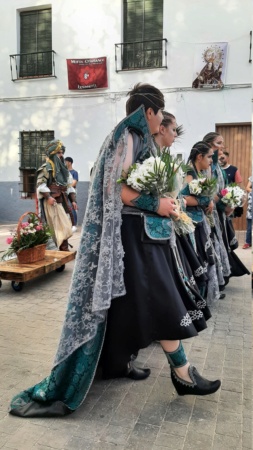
[194, 187]
[155, 175]
[234, 197]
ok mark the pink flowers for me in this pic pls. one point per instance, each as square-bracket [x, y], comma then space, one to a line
[28, 234]
[233, 196]
[25, 224]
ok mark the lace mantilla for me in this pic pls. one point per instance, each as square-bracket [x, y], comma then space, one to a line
[98, 273]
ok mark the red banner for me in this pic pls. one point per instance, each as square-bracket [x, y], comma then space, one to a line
[87, 73]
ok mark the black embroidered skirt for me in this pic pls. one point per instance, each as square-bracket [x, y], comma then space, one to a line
[160, 302]
[238, 269]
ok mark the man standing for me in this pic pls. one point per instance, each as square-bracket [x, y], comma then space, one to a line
[69, 161]
[54, 190]
[232, 172]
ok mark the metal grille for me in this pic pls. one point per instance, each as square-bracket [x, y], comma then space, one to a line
[32, 156]
[32, 65]
[150, 54]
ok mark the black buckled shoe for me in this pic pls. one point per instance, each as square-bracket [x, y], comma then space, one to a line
[199, 385]
[136, 373]
[222, 296]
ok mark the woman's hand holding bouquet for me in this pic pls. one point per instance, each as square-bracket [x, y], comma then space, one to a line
[168, 207]
[161, 176]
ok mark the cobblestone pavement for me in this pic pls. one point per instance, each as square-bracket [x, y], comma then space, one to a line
[122, 414]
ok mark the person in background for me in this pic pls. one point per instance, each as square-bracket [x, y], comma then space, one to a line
[223, 225]
[232, 172]
[54, 190]
[200, 210]
[233, 176]
[69, 161]
[248, 242]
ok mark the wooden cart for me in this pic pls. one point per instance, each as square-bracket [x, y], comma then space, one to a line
[18, 274]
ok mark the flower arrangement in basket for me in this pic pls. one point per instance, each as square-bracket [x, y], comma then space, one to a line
[29, 240]
[162, 176]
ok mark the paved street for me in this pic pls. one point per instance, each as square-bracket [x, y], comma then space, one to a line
[122, 414]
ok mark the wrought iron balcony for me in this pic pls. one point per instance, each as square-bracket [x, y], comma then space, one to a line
[32, 65]
[141, 55]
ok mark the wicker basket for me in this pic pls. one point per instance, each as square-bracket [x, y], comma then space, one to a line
[33, 254]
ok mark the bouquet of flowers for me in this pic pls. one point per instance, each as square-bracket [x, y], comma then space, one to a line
[203, 186]
[156, 175]
[27, 235]
[233, 196]
[162, 176]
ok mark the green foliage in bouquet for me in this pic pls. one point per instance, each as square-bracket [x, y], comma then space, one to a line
[174, 170]
[209, 185]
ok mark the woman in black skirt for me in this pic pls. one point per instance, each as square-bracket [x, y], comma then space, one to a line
[129, 286]
[222, 225]
[160, 304]
[195, 267]
[200, 208]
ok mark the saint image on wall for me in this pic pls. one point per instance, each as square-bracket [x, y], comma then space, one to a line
[209, 64]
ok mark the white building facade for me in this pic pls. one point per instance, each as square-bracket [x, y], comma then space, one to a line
[164, 37]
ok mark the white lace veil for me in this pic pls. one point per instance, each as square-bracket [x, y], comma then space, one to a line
[98, 272]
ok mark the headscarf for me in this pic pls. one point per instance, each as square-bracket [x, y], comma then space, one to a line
[59, 170]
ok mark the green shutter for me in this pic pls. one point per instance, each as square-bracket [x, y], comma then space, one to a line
[143, 21]
[153, 23]
[36, 36]
[133, 20]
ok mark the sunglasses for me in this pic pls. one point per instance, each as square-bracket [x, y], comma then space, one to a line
[59, 153]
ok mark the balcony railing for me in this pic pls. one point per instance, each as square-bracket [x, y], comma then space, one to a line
[141, 55]
[32, 65]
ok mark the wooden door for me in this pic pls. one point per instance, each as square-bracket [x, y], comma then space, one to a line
[237, 138]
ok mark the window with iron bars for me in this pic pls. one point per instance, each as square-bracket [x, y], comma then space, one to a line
[32, 156]
[35, 43]
[142, 34]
